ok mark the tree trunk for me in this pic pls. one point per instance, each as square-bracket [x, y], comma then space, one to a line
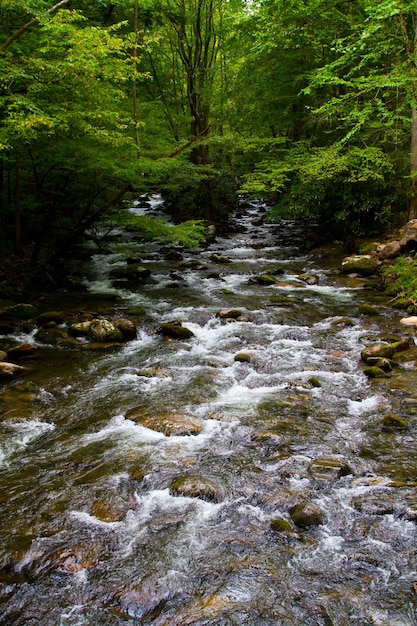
[17, 216]
[412, 211]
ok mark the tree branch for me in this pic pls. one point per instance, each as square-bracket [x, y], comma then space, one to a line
[28, 25]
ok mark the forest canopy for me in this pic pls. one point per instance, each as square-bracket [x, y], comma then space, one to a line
[311, 103]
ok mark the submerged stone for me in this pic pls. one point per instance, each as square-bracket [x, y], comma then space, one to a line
[170, 424]
[368, 309]
[196, 487]
[21, 350]
[307, 514]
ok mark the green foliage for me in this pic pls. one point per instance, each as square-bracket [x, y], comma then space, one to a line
[352, 189]
[401, 278]
[190, 233]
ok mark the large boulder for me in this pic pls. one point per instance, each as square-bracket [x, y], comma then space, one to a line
[97, 330]
[390, 250]
[363, 264]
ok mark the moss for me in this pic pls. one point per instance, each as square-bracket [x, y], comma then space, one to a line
[394, 422]
[281, 525]
[242, 358]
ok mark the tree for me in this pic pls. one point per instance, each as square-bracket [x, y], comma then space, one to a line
[374, 83]
[64, 127]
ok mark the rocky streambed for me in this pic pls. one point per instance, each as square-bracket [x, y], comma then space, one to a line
[221, 436]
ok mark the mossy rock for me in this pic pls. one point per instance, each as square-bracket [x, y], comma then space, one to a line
[314, 382]
[196, 487]
[281, 525]
[175, 330]
[242, 357]
[394, 422]
[137, 310]
[368, 309]
[220, 258]
[375, 372]
[307, 514]
[266, 279]
[21, 311]
[384, 350]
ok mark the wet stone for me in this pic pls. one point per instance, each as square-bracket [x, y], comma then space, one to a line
[196, 487]
[392, 422]
[170, 424]
[175, 331]
[307, 514]
[329, 469]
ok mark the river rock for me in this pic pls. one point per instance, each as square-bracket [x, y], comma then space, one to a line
[57, 337]
[175, 330]
[170, 424]
[20, 311]
[375, 372]
[382, 350]
[409, 321]
[264, 279]
[108, 511]
[10, 370]
[242, 357]
[196, 487]
[310, 279]
[97, 330]
[394, 422]
[3, 355]
[130, 272]
[127, 328]
[383, 364]
[220, 258]
[390, 250]
[307, 514]
[229, 314]
[329, 469]
[281, 525]
[21, 351]
[368, 309]
[50, 316]
[362, 264]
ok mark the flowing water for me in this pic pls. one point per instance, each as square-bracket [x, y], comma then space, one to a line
[95, 530]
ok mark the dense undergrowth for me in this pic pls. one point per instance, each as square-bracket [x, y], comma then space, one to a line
[400, 280]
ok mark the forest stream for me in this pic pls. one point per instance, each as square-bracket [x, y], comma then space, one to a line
[239, 476]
